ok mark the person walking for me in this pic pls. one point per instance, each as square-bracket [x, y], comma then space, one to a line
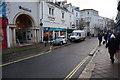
[118, 40]
[111, 45]
[109, 35]
[100, 38]
[106, 37]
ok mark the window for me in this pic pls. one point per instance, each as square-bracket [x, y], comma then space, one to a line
[62, 15]
[88, 13]
[72, 10]
[81, 19]
[76, 14]
[76, 22]
[51, 11]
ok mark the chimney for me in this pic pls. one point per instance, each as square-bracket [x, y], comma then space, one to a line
[65, 1]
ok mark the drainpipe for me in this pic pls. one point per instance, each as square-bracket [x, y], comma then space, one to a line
[40, 19]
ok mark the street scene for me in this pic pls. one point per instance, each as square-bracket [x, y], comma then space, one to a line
[59, 39]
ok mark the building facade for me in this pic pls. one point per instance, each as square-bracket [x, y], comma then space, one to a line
[57, 19]
[31, 22]
[118, 17]
[90, 17]
[77, 17]
[93, 22]
[23, 22]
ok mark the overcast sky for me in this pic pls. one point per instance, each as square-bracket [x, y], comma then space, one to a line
[106, 8]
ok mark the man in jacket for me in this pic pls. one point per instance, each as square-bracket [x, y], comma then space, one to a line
[111, 45]
[100, 38]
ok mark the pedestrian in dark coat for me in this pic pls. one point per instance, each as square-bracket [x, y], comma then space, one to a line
[118, 40]
[105, 37]
[100, 38]
[111, 45]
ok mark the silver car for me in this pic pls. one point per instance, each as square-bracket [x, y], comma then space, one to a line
[60, 40]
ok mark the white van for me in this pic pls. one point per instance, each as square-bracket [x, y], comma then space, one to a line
[78, 35]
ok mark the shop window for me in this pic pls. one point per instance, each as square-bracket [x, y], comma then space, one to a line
[45, 36]
[51, 35]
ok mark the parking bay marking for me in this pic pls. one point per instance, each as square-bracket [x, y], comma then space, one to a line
[76, 68]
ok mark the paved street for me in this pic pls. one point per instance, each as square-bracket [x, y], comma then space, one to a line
[56, 64]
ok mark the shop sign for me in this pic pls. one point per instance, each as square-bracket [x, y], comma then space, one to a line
[53, 29]
[26, 9]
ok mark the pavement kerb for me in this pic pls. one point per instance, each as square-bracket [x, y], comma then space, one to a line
[93, 51]
[87, 72]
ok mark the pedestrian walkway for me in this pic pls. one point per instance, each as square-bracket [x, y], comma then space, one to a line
[102, 68]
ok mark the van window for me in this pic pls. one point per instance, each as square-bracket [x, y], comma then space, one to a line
[78, 34]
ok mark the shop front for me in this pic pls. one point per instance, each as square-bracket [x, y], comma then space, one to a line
[23, 31]
[50, 33]
[3, 38]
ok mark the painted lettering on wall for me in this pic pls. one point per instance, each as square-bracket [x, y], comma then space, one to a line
[26, 9]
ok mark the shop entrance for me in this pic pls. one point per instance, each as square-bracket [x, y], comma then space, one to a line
[24, 32]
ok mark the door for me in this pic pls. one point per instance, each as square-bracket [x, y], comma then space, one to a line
[56, 35]
[29, 36]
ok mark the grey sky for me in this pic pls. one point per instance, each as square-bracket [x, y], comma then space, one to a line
[106, 8]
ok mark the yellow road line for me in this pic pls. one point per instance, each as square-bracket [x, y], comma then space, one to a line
[76, 68]
[24, 58]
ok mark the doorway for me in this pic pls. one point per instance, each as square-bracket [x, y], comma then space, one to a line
[24, 33]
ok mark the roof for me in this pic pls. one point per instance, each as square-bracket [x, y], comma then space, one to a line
[88, 9]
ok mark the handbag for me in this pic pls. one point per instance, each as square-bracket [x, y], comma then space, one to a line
[103, 42]
[117, 54]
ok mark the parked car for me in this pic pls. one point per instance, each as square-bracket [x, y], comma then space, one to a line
[60, 40]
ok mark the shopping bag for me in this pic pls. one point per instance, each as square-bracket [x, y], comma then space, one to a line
[103, 42]
[117, 54]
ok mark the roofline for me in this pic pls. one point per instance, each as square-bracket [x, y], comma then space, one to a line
[88, 9]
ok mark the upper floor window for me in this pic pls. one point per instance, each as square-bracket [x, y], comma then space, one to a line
[51, 11]
[76, 14]
[88, 13]
[63, 15]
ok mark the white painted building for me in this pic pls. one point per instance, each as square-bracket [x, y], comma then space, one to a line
[77, 17]
[93, 21]
[23, 22]
[56, 19]
[30, 22]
